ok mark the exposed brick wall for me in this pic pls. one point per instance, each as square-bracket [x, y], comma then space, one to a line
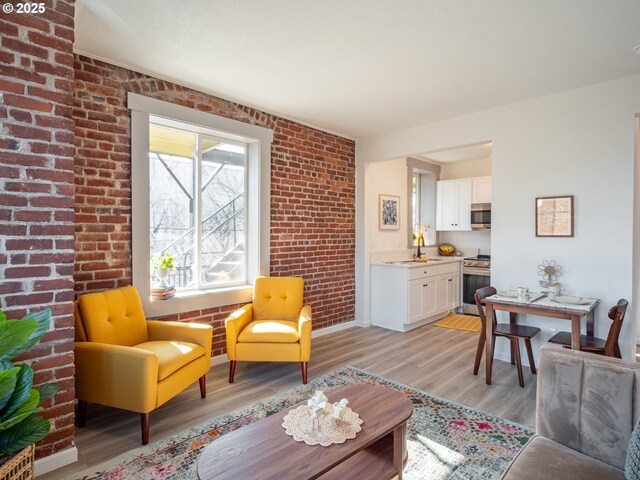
[312, 194]
[37, 194]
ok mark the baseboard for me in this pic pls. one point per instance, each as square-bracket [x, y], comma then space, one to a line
[55, 461]
[220, 359]
[333, 328]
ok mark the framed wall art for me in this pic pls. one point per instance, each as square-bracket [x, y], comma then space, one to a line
[388, 212]
[554, 216]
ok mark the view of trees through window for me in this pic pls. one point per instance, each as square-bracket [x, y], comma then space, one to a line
[197, 207]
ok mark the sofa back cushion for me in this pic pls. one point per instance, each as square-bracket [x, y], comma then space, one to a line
[113, 316]
[277, 298]
[588, 402]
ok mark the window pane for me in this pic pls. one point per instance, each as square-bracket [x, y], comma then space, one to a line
[172, 168]
[222, 212]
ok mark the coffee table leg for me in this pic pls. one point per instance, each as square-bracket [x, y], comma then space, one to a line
[399, 449]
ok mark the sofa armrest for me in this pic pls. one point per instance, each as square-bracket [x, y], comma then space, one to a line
[183, 332]
[234, 324]
[304, 332]
[116, 376]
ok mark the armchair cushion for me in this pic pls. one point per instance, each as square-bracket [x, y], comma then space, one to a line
[277, 298]
[172, 356]
[114, 317]
[269, 331]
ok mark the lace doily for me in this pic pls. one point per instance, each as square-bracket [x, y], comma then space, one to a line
[299, 425]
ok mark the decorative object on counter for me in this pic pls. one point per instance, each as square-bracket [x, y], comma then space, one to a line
[420, 239]
[388, 212]
[339, 421]
[446, 249]
[550, 271]
[554, 216]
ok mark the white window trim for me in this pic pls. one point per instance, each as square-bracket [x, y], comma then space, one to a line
[258, 202]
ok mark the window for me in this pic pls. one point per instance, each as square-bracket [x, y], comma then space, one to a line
[200, 192]
[196, 206]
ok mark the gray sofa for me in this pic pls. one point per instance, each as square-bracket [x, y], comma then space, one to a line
[586, 408]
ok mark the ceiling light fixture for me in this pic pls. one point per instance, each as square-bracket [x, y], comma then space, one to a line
[637, 50]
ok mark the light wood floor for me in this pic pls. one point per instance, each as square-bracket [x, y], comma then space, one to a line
[436, 360]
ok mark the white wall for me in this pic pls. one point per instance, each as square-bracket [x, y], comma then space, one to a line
[467, 168]
[389, 177]
[579, 142]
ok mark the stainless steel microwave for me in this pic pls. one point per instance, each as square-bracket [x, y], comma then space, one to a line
[480, 215]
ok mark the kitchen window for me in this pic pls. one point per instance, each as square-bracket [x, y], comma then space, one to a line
[200, 192]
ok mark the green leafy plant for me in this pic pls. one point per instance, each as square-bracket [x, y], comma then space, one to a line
[164, 261]
[20, 424]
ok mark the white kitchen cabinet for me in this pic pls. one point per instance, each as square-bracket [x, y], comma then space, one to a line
[453, 205]
[448, 292]
[481, 190]
[422, 299]
[406, 296]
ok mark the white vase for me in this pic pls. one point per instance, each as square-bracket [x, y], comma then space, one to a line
[162, 274]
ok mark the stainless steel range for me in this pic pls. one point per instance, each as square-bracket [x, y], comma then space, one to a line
[476, 273]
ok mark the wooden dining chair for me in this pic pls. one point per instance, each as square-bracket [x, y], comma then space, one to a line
[513, 332]
[608, 347]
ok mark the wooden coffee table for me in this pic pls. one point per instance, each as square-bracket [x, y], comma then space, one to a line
[262, 450]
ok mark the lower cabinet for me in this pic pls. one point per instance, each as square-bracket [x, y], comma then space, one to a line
[423, 300]
[403, 298]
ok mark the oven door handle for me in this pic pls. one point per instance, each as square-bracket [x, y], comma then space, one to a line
[483, 272]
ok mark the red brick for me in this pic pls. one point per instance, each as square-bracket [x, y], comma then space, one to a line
[12, 87]
[26, 102]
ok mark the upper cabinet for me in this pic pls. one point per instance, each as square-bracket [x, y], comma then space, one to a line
[454, 199]
[481, 190]
[453, 205]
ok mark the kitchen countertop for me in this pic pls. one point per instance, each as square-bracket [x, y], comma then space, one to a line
[439, 260]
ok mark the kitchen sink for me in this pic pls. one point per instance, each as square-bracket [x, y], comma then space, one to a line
[394, 262]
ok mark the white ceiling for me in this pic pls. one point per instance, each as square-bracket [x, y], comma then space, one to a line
[363, 67]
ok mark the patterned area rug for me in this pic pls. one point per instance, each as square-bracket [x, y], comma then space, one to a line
[445, 439]
[460, 322]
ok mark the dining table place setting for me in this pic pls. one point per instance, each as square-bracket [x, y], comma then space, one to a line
[518, 296]
[550, 298]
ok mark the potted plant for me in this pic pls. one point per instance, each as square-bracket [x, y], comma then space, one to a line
[162, 265]
[20, 423]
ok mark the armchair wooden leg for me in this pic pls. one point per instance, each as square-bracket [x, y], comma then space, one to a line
[232, 370]
[203, 386]
[304, 372]
[532, 361]
[144, 423]
[82, 413]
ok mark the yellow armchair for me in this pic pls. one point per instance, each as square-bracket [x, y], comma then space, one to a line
[275, 327]
[125, 361]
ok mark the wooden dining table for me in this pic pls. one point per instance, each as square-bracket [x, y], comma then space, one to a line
[540, 305]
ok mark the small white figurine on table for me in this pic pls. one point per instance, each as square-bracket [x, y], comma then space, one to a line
[317, 405]
[339, 409]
